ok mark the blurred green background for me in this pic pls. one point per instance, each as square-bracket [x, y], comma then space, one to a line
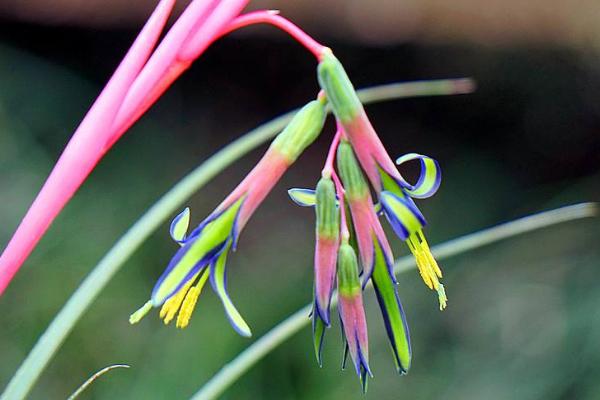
[523, 320]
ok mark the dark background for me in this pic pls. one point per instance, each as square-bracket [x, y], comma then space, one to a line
[523, 319]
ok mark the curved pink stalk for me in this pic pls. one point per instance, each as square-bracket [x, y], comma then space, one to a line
[272, 17]
[135, 86]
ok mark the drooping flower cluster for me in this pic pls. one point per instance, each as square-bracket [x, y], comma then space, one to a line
[351, 247]
[359, 153]
[395, 194]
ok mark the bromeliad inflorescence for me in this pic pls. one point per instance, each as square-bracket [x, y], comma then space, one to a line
[351, 246]
[359, 153]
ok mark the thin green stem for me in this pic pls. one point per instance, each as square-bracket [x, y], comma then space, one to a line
[295, 322]
[92, 378]
[63, 323]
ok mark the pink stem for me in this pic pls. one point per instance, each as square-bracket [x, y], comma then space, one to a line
[199, 26]
[329, 170]
[272, 17]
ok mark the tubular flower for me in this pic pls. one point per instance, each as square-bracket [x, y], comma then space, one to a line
[327, 244]
[394, 192]
[378, 265]
[366, 225]
[326, 253]
[203, 252]
[352, 313]
[327, 241]
[376, 259]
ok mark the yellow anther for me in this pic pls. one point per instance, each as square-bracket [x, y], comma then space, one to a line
[428, 254]
[183, 319]
[428, 268]
[171, 306]
[189, 303]
[139, 314]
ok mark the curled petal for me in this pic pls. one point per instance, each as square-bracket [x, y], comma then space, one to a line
[218, 281]
[429, 178]
[392, 313]
[402, 213]
[179, 226]
[303, 197]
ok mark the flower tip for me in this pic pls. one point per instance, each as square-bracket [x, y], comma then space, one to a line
[140, 313]
[322, 313]
[245, 332]
[364, 379]
[303, 197]
[179, 226]
[443, 300]
[318, 328]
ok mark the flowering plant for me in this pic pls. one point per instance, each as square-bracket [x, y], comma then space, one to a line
[359, 183]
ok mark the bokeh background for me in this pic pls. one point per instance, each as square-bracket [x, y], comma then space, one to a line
[523, 320]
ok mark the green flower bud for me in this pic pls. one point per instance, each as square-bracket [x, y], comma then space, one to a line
[340, 91]
[354, 182]
[347, 271]
[328, 214]
[302, 130]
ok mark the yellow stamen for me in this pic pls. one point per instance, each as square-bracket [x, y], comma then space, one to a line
[189, 303]
[428, 268]
[139, 314]
[171, 306]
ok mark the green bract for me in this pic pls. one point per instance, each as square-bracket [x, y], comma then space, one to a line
[328, 216]
[302, 130]
[354, 182]
[340, 91]
[347, 272]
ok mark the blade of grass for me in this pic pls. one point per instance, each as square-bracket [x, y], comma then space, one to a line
[62, 324]
[227, 375]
